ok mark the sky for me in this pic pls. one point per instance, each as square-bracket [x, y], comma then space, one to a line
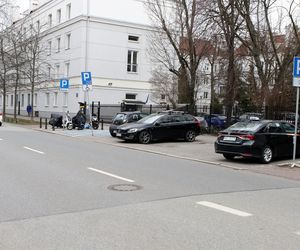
[24, 4]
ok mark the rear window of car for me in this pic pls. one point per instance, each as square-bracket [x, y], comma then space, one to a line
[245, 126]
[189, 118]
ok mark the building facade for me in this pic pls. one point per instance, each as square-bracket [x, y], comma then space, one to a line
[89, 36]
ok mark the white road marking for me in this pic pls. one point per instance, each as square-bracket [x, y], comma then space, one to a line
[224, 209]
[34, 150]
[111, 175]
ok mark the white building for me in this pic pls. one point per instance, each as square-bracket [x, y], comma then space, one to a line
[90, 36]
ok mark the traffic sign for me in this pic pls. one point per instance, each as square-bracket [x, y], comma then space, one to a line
[86, 78]
[296, 78]
[64, 84]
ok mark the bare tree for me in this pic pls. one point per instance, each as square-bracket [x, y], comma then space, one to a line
[180, 25]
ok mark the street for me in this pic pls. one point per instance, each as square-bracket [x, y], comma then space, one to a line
[59, 192]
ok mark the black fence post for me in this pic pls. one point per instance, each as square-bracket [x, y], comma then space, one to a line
[150, 109]
[92, 108]
[41, 122]
[168, 107]
[84, 108]
[19, 106]
[98, 113]
[46, 122]
[102, 124]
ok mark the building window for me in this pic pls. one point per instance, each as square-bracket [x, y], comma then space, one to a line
[49, 47]
[205, 95]
[22, 100]
[57, 69]
[67, 69]
[133, 38]
[68, 8]
[130, 96]
[6, 100]
[50, 20]
[65, 99]
[11, 100]
[68, 41]
[35, 101]
[49, 72]
[132, 61]
[58, 16]
[28, 99]
[163, 97]
[55, 99]
[47, 99]
[58, 44]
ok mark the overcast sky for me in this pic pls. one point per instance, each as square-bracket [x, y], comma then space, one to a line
[24, 4]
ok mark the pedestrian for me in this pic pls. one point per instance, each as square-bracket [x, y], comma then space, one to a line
[29, 109]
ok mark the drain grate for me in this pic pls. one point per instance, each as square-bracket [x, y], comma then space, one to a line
[124, 187]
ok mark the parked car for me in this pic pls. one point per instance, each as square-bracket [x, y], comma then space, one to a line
[0, 119]
[158, 126]
[216, 120]
[263, 139]
[124, 117]
[203, 124]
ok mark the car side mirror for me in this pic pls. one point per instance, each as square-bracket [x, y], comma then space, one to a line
[157, 124]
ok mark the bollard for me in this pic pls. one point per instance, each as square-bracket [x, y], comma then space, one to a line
[46, 121]
[102, 124]
[41, 123]
[53, 128]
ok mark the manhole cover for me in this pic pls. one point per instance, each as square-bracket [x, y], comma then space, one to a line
[124, 187]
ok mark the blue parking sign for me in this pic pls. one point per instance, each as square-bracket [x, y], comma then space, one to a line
[86, 78]
[296, 79]
[64, 84]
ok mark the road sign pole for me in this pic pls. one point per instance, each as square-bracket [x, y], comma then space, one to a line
[296, 129]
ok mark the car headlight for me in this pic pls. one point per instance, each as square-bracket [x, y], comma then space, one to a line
[132, 130]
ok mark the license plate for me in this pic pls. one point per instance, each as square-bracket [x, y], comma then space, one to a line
[229, 138]
[118, 134]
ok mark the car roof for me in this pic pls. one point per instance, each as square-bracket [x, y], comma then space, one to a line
[129, 112]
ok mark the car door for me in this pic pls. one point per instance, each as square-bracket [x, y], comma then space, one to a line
[161, 129]
[278, 139]
[177, 128]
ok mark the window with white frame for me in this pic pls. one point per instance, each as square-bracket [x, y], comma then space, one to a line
[58, 39]
[68, 41]
[6, 100]
[11, 100]
[22, 100]
[28, 99]
[68, 11]
[58, 16]
[49, 47]
[67, 69]
[50, 20]
[57, 71]
[35, 100]
[132, 61]
[132, 38]
[130, 96]
[65, 99]
[55, 99]
[205, 95]
[47, 99]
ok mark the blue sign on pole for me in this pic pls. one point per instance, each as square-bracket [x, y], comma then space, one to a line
[296, 79]
[86, 78]
[64, 84]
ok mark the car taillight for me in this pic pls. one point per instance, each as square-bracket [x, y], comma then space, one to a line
[247, 137]
[198, 124]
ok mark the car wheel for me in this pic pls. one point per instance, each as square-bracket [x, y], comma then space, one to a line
[112, 134]
[190, 136]
[70, 126]
[144, 137]
[228, 156]
[267, 154]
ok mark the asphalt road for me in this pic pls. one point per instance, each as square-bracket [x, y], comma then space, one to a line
[55, 193]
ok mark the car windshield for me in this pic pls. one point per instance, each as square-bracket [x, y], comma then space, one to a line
[149, 119]
[120, 117]
[245, 126]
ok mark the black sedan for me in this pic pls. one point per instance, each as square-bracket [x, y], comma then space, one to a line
[160, 126]
[264, 140]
